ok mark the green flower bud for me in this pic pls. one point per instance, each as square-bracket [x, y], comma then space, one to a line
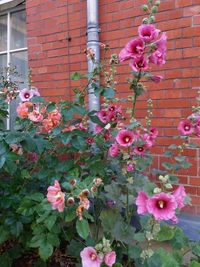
[157, 190]
[157, 3]
[145, 8]
[168, 186]
[145, 21]
[150, 1]
[152, 19]
[154, 9]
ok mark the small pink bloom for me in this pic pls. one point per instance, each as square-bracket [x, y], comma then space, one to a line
[139, 63]
[90, 140]
[139, 150]
[174, 219]
[179, 195]
[148, 139]
[141, 203]
[56, 197]
[23, 109]
[113, 151]
[186, 127]
[130, 167]
[107, 135]
[35, 116]
[102, 115]
[158, 57]
[98, 129]
[132, 49]
[125, 138]
[35, 91]
[162, 206]
[55, 117]
[90, 257]
[156, 78]
[85, 202]
[48, 125]
[110, 258]
[25, 94]
[162, 42]
[148, 32]
[154, 132]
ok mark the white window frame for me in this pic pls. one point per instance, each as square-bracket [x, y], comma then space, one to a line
[5, 1]
[9, 51]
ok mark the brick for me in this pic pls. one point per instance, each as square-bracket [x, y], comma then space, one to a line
[182, 3]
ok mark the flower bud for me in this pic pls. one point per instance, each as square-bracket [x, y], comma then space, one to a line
[152, 19]
[72, 182]
[98, 247]
[157, 190]
[85, 193]
[70, 201]
[93, 189]
[145, 21]
[97, 181]
[154, 9]
[157, 3]
[168, 186]
[145, 8]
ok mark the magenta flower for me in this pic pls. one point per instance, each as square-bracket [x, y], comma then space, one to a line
[113, 150]
[162, 206]
[139, 150]
[26, 94]
[102, 115]
[90, 257]
[130, 167]
[154, 132]
[161, 44]
[179, 195]
[110, 258]
[141, 203]
[186, 127]
[158, 57]
[156, 78]
[132, 49]
[148, 32]
[35, 91]
[125, 138]
[148, 139]
[139, 63]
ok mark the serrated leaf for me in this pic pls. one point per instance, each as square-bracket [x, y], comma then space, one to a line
[166, 233]
[50, 221]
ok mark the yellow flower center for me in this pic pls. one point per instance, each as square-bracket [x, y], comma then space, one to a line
[161, 204]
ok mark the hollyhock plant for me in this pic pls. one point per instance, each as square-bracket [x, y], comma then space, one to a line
[186, 127]
[156, 78]
[110, 258]
[148, 32]
[139, 150]
[90, 257]
[113, 150]
[158, 57]
[125, 138]
[134, 48]
[56, 197]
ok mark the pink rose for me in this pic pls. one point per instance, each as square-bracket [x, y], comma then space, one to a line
[110, 258]
[56, 197]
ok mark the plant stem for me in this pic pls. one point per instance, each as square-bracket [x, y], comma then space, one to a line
[135, 94]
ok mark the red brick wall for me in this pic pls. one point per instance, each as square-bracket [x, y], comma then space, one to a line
[57, 37]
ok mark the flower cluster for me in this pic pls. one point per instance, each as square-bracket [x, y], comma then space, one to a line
[102, 252]
[161, 205]
[146, 48]
[190, 126]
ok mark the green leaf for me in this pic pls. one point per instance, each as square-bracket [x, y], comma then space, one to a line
[70, 214]
[6, 260]
[53, 239]
[134, 252]
[166, 233]
[51, 106]
[167, 165]
[4, 235]
[45, 251]
[194, 264]
[108, 218]
[82, 228]
[38, 197]
[76, 76]
[109, 92]
[50, 221]
[168, 154]
[17, 228]
[37, 99]
[2, 160]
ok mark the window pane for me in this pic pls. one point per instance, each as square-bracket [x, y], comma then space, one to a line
[3, 61]
[18, 30]
[3, 33]
[19, 60]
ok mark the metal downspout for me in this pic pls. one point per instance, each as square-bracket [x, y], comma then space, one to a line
[93, 42]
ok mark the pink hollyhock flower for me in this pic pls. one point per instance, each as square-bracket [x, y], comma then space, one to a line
[125, 138]
[179, 195]
[132, 49]
[102, 115]
[139, 63]
[55, 117]
[141, 203]
[161, 44]
[162, 206]
[148, 139]
[154, 132]
[35, 116]
[26, 94]
[197, 126]
[98, 129]
[56, 197]
[113, 151]
[174, 219]
[110, 258]
[130, 167]
[148, 32]
[90, 140]
[186, 127]
[90, 257]
[156, 78]
[139, 150]
[85, 203]
[23, 109]
[48, 125]
[158, 57]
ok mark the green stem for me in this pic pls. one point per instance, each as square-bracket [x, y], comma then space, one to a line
[135, 94]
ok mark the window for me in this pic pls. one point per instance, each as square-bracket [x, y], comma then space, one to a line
[13, 45]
